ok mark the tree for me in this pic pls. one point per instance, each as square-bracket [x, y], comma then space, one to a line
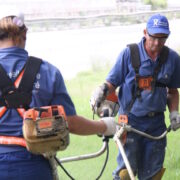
[156, 4]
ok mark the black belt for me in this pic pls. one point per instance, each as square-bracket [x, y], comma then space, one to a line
[159, 84]
[152, 114]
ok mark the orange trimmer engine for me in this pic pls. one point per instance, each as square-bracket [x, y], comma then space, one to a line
[45, 129]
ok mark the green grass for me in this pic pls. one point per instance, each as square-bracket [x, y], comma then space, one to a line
[80, 89]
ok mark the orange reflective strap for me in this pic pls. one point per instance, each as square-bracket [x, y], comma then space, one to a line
[21, 111]
[11, 140]
[18, 80]
[2, 111]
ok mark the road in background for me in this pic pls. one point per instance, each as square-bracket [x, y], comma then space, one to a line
[73, 51]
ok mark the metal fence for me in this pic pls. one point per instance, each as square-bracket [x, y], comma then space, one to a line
[62, 23]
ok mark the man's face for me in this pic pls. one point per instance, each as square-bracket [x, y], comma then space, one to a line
[155, 42]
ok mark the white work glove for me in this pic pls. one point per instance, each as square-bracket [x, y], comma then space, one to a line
[110, 124]
[98, 96]
[175, 120]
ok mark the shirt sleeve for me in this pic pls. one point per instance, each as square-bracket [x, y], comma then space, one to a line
[119, 71]
[175, 78]
[61, 96]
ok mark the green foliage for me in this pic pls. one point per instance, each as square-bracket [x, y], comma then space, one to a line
[80, 89]
[156, 4]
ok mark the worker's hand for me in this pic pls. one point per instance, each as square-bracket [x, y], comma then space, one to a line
[175, 120]
[98, 96]
[110, 124]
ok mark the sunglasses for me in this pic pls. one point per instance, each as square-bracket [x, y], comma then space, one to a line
[161, 38]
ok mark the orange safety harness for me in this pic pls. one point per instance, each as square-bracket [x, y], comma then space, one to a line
[17, 95]
[141, 82]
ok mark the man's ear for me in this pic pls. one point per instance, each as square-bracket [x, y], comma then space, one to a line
[145, 32]
[24, 35]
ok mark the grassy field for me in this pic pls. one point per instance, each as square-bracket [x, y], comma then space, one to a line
[80, 89]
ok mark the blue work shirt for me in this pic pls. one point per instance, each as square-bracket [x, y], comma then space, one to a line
[122, 75]
[49, 89]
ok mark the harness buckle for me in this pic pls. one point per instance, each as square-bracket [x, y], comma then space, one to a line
[151, 114]
[145, 83]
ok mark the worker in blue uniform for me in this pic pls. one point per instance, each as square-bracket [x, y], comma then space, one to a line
[147, 75]
[16, 162]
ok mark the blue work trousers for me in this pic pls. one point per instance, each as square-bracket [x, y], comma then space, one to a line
[22, 165]
[146, 156]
